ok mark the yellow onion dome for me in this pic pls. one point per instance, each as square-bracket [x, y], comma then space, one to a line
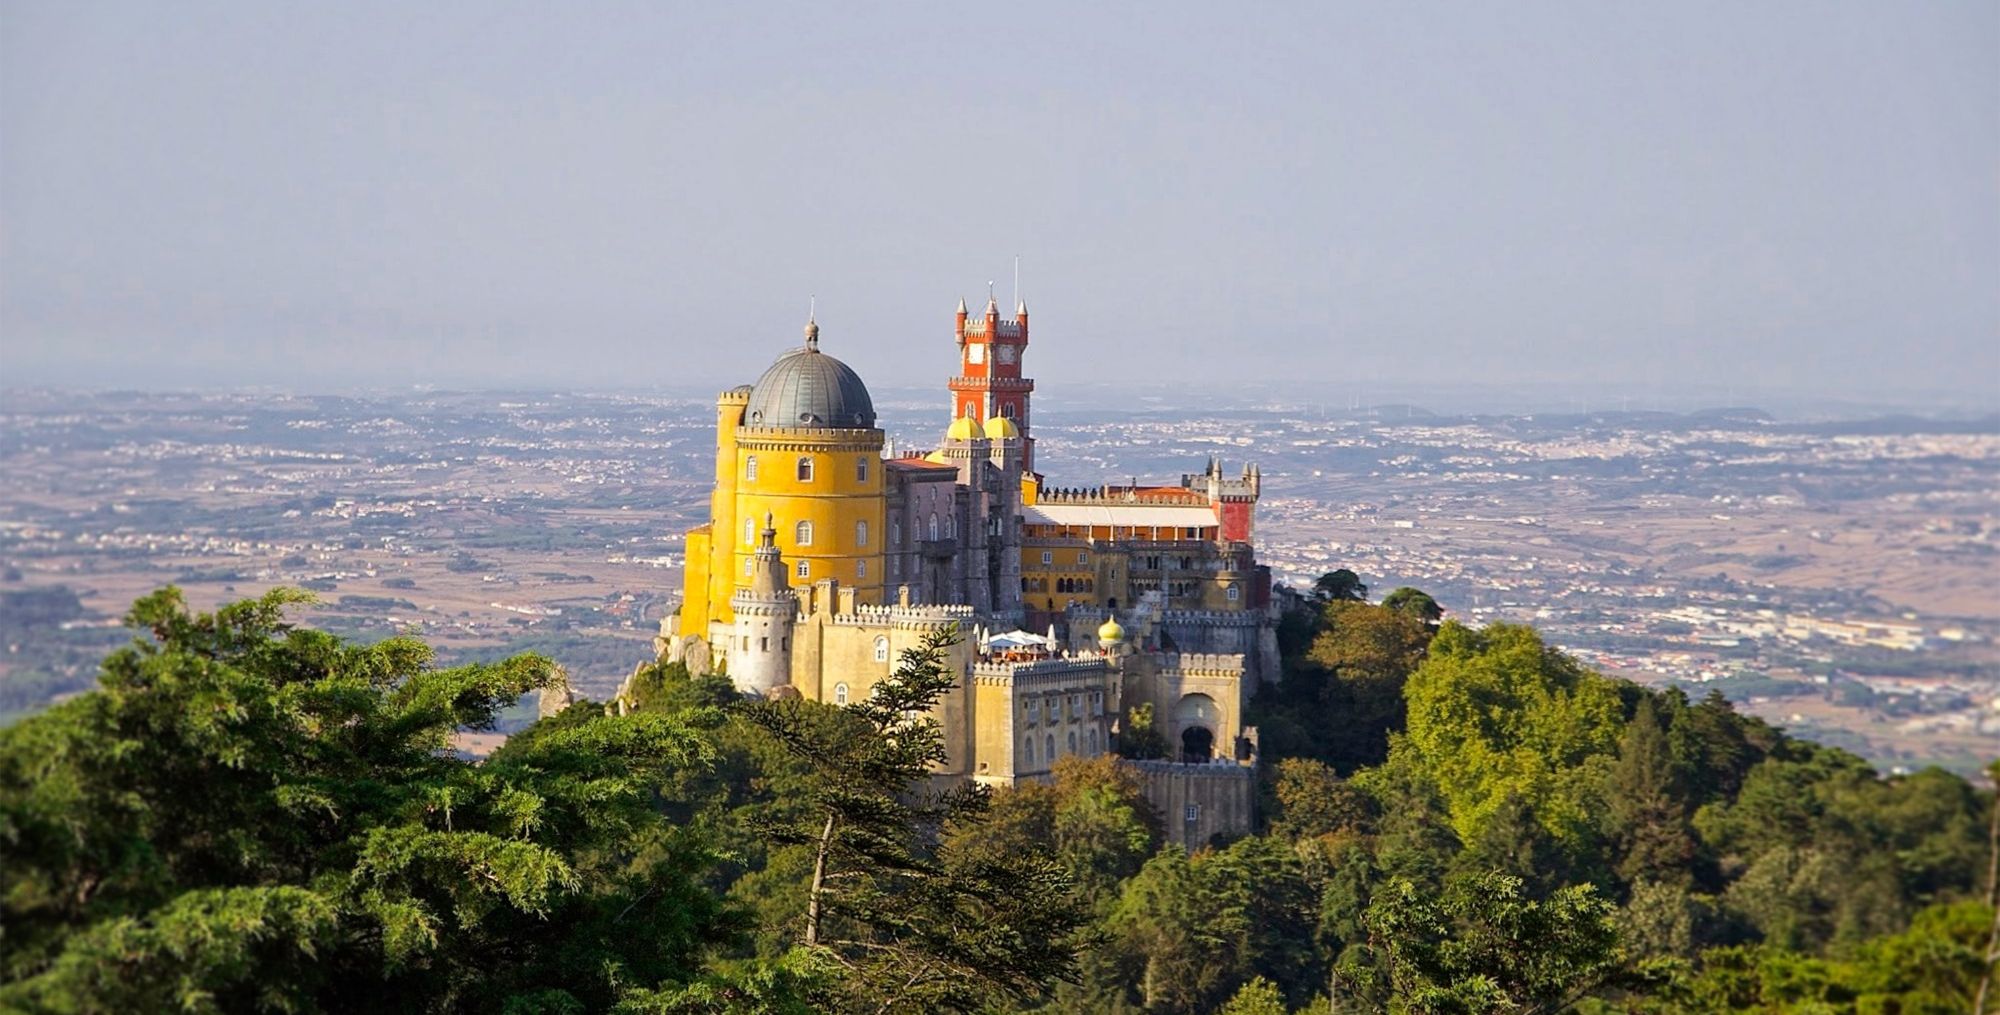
[1110, 632]
[962, 429]
[1000, 428]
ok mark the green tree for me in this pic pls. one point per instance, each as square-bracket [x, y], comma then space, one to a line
[914, 923]
[1496, 713]
[1140, 738]
[1258, 997]
[1416, 603]
[1342, 585]
[1645, 810]
[248, 815]
[1480, 946]
[1315, 801]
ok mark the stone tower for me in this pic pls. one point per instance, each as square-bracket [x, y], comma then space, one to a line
[760, 652]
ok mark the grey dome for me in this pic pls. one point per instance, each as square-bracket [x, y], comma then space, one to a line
[806, 387]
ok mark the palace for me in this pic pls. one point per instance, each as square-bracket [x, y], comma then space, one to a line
[824, 558]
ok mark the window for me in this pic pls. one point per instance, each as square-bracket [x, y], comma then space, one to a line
[895, 532]
[1007, 411]
[805, 569]
[860, 569]
[802, 534]
[763, 644]
[749, 532]
[881, 650]
[805, 468]
[747, 561]
[861, 470]
[840, 694]
[1094, 743]
[1072, 741]
[861, 533]
[895, 567]
[750, 468]
[1234, 593]
[1050, 742]
[1028, 750]
[1083, 556]
[1194, 812]
[934, 528]
[1048, 556]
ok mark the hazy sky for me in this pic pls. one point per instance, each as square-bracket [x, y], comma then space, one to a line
[1632, 196]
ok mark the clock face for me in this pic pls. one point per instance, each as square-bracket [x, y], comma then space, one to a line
[1004, 353]
[975, 353]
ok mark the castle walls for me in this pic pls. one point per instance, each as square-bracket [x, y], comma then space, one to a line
[1200, 804]
[1029, 715]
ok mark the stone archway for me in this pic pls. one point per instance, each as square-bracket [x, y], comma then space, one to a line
[1197, 745]
[1196, 718]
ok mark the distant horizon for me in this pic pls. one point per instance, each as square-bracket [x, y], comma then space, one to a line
[1085, 398]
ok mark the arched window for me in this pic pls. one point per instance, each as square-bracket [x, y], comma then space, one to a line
[805, 468]
[895, 532]
[860, 569]
[1072, 741]
[950, 526]
[749, 531]
[840, 694]
[861, 533]
[934, 528]
[861, 470]
[1094, 748]
[881, 650]
[1050, 742]
[804, 569]
[1028, 750]
[1007, 410]
[802, 534]
[750, 468]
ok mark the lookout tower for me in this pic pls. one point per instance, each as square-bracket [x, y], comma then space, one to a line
[989, 383]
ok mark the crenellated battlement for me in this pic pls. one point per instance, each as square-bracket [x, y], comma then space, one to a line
[1211, 618]
[1111, 496]
[915, 617]
[1041, 671]
[1203, 663]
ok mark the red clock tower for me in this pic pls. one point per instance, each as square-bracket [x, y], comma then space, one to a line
[989, 381]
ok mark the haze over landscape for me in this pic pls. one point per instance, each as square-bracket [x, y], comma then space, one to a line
[1662, 205]
[1499, 512]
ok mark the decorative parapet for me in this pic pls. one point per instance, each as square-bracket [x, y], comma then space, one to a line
[1113, 496]
[758, 437]
[1213, 618]
[1040, 671]
[1201, 663]
[1220, 768]
[916, 617]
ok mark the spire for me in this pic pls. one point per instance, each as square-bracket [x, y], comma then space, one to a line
[1021, 308]
[961, 305]
[992, 302]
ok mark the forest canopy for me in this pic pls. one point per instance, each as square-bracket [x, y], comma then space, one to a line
[246, 815]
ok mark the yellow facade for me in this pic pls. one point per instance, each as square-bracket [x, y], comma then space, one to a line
[823, 493]
[820, 488]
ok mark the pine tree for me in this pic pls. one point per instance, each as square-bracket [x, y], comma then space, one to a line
[911, 923]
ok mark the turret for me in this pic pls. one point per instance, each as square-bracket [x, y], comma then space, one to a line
[760, 648]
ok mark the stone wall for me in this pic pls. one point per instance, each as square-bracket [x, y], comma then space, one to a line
[1200, 804]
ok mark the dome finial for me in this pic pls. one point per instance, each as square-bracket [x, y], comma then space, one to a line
[812, 324]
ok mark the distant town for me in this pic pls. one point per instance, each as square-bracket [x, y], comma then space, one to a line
[1841, 580]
